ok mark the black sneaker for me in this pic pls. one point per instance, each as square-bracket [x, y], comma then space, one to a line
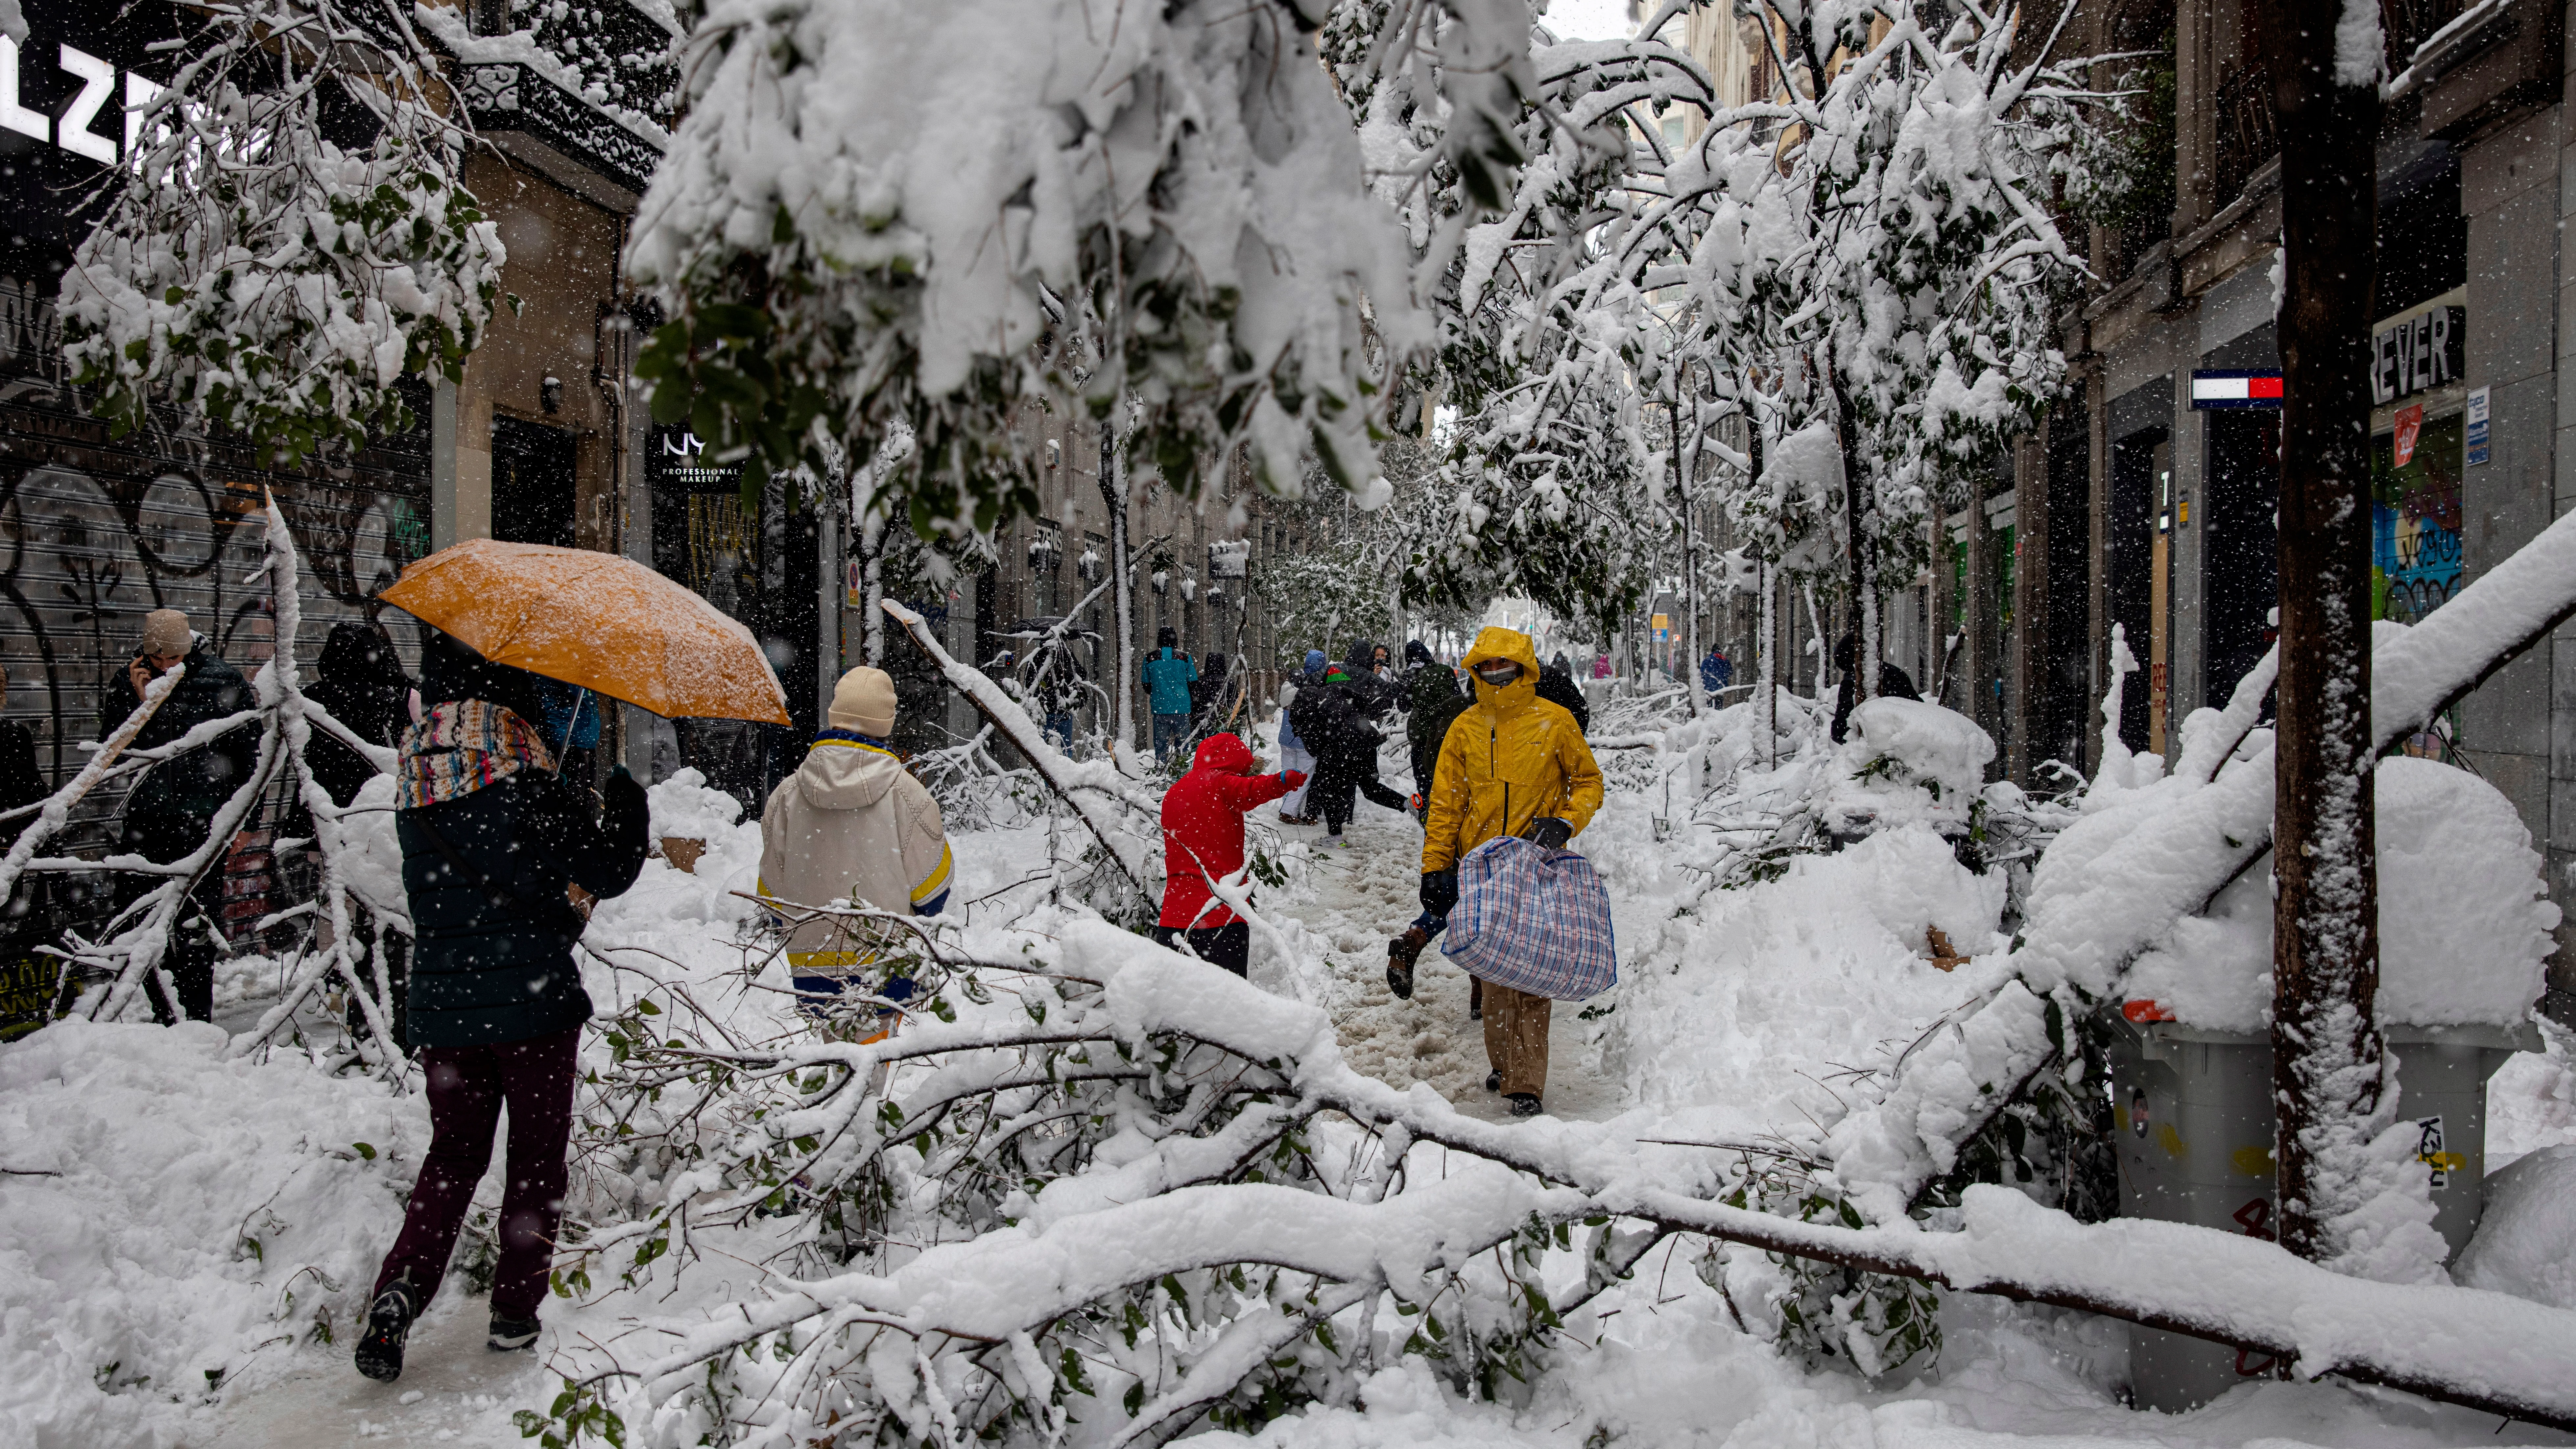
[389, 1321]
[509, 1335]
[1525, 1104]
[1493, 1081]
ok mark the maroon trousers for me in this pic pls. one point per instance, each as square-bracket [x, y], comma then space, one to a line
[467, 1087]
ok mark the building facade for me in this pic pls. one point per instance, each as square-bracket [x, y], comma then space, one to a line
[2146, 500]
[1196, 567]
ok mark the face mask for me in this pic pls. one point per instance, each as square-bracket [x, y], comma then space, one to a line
[1498, 673]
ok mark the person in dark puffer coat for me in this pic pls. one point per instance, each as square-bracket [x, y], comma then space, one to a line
[1432, 702]
[491, 837]
[170, 811]
[362, 684]
[1556, 685]
[1335, 721]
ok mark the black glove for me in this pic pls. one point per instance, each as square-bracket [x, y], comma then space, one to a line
[1439, 891]
[1549, 832]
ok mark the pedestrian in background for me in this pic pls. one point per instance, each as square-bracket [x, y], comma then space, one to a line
[1335, 720]
[27, 979]
[492, 839]
[1432, 702]
[1207, 697]
[1059, 693]
[1203, 842]
[359, 680]
[1893, 683]
[1294, 753]
[361, 685]
[170, 811]
[1716, 672]
[1169, 673]
[1556, 685]
[572, 716]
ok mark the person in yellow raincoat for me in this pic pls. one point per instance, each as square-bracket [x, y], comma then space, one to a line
[1513, 764]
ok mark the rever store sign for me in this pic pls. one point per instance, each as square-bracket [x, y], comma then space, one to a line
[2418, 352]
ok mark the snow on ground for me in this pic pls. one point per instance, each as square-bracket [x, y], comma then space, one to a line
[142, 1166]
[179, 1231]
[1351, 900]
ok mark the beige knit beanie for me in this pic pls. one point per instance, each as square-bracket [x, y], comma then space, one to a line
[864, 701]
[165, 632]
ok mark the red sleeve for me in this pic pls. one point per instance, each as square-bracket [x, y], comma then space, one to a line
[1249, 792]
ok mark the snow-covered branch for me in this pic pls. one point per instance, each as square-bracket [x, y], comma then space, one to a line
[260, 269]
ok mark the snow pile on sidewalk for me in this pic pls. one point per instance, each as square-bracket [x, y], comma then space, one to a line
[2526, 1241]
[173, 1223]
[1739, 1005]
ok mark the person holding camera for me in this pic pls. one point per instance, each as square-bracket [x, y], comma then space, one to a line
[170, 810]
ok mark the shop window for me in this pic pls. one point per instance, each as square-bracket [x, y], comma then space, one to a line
[2415, 520]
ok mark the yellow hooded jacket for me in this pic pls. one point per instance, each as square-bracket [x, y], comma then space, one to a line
[1510, 759]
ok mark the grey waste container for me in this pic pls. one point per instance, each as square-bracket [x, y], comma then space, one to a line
[2193, 1109]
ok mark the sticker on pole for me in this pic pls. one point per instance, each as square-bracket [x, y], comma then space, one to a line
[2432, 1151]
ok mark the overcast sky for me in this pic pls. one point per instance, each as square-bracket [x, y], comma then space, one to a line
[1588, 19]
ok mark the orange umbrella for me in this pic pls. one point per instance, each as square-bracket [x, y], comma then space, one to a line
[594, 619]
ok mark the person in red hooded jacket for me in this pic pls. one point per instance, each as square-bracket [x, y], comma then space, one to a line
[1203, 841]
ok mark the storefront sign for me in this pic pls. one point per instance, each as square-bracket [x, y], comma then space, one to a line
[2236, 387]
[2477, 448]
[679, 464]
[2410, 426]
[2418, 353]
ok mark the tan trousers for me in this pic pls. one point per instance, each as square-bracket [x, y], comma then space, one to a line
[1516, 1038]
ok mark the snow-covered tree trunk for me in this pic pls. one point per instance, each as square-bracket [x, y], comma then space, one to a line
[1860, 559]
[1769, 665]
[1698, 683]
[2327, 1054]
[1113, 497]
[872, 586]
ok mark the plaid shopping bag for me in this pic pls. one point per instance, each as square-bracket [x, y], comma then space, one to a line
[1532, 919]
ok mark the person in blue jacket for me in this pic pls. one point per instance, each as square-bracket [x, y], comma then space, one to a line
[1716, 671]
[1168, 677]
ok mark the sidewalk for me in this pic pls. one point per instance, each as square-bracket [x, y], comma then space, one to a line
[1367, 893]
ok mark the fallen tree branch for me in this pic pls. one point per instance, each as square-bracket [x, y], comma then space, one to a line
[1185, 1200]
[1072, 782]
